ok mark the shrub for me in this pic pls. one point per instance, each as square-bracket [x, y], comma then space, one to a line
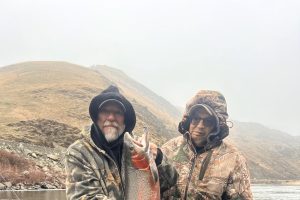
[12, 169]
[12, 159]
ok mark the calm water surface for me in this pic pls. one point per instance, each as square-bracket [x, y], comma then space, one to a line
[33, 195]
[260, 192]
[276, 192]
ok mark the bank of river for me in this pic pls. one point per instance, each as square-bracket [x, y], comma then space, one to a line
[260, 192]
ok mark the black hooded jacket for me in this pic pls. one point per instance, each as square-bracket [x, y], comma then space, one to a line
[114, 149]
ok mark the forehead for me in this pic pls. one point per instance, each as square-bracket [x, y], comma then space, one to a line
[200, 112]
[111, 106]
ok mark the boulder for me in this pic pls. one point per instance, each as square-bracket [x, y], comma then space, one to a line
[47, 186]
[27, 151]
[54, 157]
[25, 173]
[21, 147]
[40, 165]
[8, 184]
[33, 155]
[2, 186]
[21, 186]
[45, 169]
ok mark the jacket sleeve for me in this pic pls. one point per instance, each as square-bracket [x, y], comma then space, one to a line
[238, 186]
[81, 181]
[167, 174]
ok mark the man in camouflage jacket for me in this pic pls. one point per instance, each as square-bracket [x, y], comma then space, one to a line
[208, 167]
[93, 164]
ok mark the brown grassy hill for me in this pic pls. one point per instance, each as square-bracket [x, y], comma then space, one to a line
[60, 92]
[46, 103]
[271, 154]
[163, 111]
[156, 104]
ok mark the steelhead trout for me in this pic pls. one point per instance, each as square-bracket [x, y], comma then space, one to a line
[139, 168]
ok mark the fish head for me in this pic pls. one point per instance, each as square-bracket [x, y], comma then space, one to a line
[139, 151]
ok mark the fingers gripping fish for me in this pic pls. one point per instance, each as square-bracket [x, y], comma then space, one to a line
[139, 168]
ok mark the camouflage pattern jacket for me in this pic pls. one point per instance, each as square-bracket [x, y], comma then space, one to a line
[93, 174]
[220, 173]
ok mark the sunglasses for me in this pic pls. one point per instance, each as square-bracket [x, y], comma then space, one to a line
[208, 121]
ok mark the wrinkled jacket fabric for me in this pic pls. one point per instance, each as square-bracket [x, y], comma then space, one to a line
[93, 174]
[226, 175]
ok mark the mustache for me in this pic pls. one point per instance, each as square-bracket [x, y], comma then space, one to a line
[108, 123]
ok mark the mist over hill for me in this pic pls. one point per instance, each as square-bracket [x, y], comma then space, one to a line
[45, 103]
[271, 154]
[61, 92]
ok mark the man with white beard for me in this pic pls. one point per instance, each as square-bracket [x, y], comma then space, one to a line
[93, 164]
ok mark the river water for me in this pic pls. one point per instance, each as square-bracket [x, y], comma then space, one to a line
[260, 192]
[276, 192]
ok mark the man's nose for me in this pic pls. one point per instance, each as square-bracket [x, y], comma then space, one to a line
[111, 116]
[201, 124]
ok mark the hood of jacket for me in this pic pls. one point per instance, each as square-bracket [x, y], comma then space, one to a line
[114, 149]
[214, 102]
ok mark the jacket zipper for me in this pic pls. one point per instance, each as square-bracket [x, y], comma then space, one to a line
[190, 176]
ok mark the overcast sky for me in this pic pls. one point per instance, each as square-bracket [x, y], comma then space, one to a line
[248, 50]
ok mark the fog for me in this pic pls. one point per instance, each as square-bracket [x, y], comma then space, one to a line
[247, 50]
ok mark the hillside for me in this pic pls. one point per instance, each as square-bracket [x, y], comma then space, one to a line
[38, 94]
[156, 104]
[271, 154]
[45, 104]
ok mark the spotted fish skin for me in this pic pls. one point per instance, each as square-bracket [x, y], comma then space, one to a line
[139, 170]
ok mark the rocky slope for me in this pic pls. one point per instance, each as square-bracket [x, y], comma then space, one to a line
[271, 154]
[44, 106]
[61, 92]
[46, 171]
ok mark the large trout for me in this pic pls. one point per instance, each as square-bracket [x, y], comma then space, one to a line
[139, 168]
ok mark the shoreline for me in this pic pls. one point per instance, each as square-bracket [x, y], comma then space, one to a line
[253, 183]
[34, 190]
[276, 182]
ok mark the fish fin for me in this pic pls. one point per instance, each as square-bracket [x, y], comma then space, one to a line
[145, 140]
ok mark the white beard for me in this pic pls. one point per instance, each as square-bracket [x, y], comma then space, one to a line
[111, 133]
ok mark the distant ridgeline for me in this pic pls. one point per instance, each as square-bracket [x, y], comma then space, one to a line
[46, 104]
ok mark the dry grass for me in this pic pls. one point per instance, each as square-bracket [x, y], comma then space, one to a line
[16, 169]
[45, 132]
[11, 159]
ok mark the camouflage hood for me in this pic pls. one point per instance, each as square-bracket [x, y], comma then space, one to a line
[215, 103]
